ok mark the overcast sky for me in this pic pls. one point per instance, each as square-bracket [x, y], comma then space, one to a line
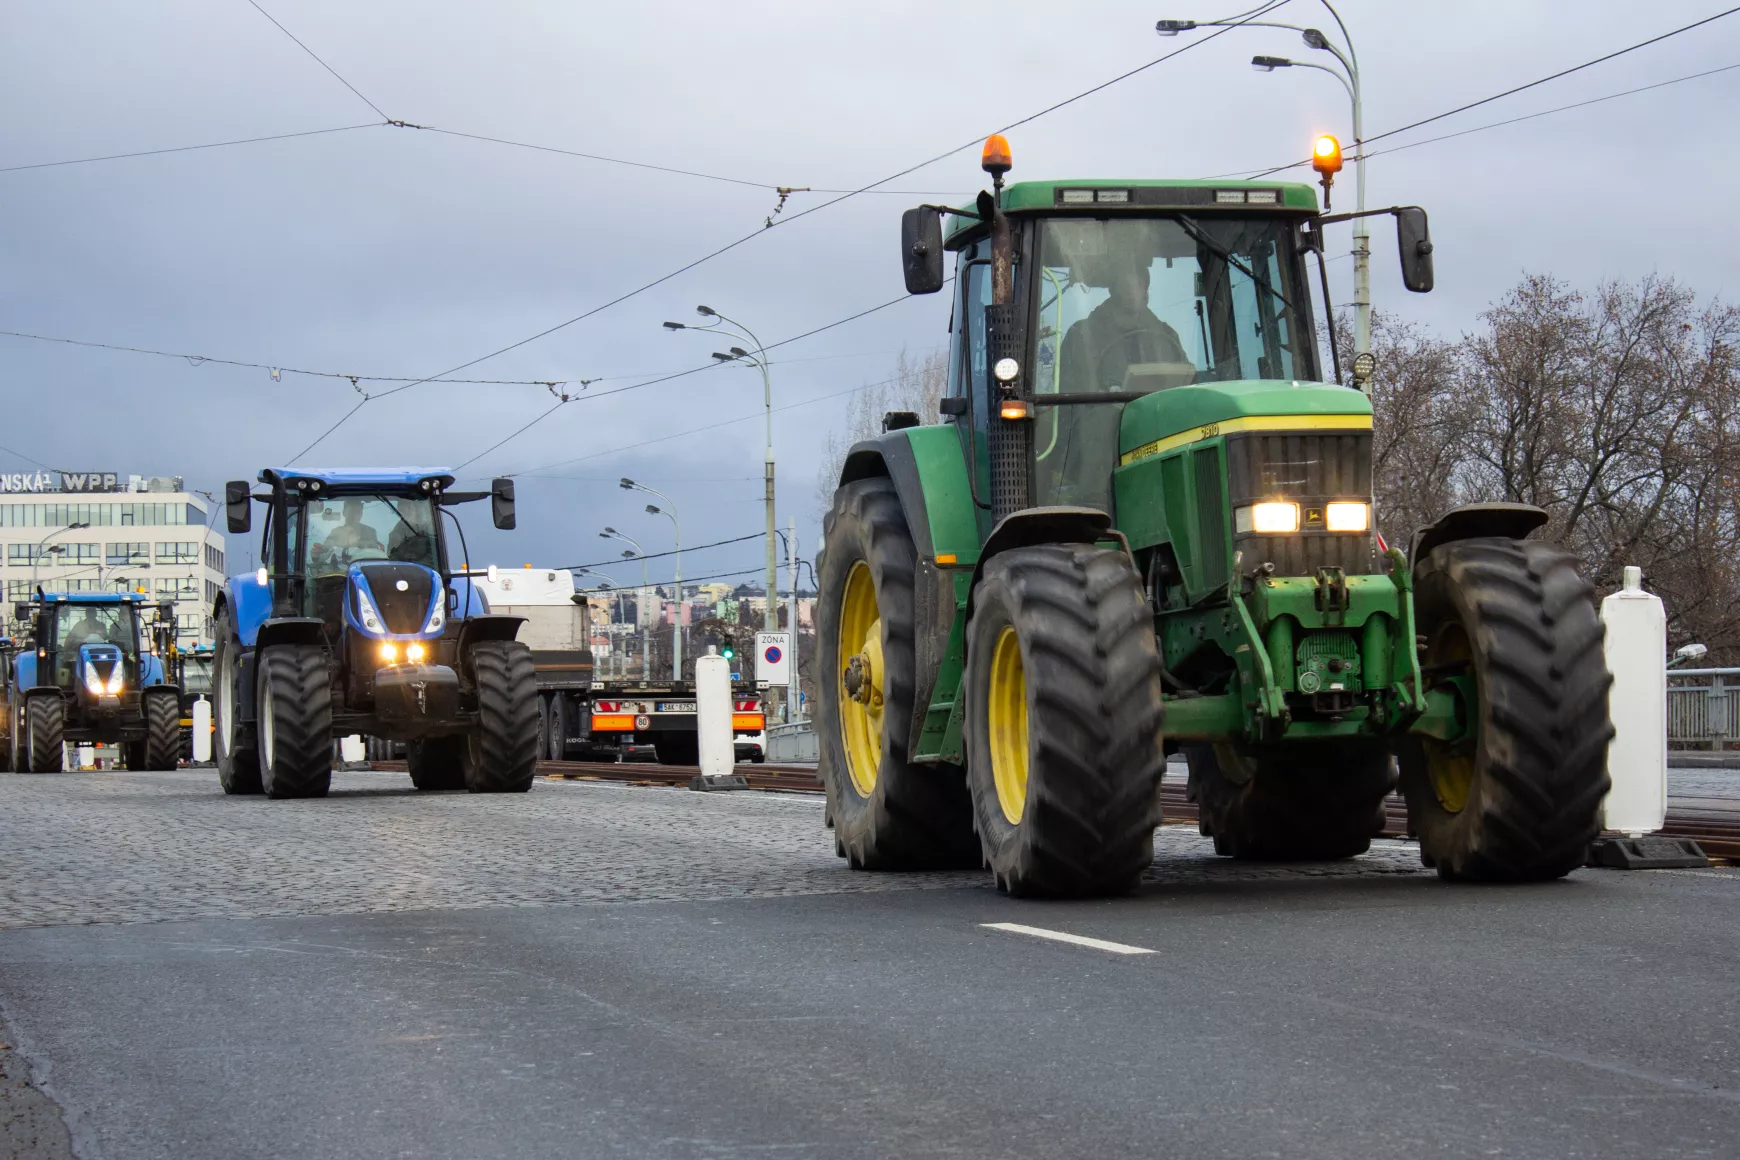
[395, 252]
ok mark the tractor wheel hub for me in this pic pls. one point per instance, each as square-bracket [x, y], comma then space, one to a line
[860, 679]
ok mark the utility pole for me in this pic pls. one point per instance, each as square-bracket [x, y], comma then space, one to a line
[795, 688]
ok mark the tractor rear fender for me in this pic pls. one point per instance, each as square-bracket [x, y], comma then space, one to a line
[930, 476]
[289, 630]
[1510, 520]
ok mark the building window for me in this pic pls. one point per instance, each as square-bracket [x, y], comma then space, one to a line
[183, 552]
[22, 555]
[211, 591]
[136, 553]
[17, 590]
[177, 588]
[187, 625]
[78, 553]
[214, 558]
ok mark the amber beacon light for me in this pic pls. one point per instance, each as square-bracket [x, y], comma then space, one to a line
[995, 160]
[1326, 155]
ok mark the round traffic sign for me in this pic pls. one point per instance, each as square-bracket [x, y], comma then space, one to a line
[773, 654]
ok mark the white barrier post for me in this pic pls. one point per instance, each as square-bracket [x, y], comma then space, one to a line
[1636, 655]
[350, 749]
[713, 709]
[201, 731]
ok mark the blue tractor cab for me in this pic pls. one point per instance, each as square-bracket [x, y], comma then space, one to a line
[91, 673]
[357, 623]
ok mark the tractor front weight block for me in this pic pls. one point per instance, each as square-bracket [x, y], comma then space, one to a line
[417, 695]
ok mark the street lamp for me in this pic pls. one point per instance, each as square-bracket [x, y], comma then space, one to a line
[607, 585]
[669, 510]
[759, 361]
[36, 556]
[1348, 75]
[646, 634]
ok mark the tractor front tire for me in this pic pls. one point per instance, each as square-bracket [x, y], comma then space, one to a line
[1297, 804]
[238, 762]
[1064, 715]
[1518, 801]
[437, 763]
[501, 753]
[293, 721]
[161, 746]
[46, 725]
[888, 813]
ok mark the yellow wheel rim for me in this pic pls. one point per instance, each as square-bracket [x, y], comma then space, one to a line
[1451, 767]
[860, 679]
[1006, 722]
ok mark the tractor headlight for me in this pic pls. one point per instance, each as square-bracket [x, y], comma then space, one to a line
[365, 612]
[1347, 517]
[414, 653]
[98, 687]
[389, 652]
[438, 617]
[1274, 517]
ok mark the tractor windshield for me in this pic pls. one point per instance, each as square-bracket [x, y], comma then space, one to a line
[82, 624]
[1135, 305]
[196, 673]
[1141, 304]
[347, 529]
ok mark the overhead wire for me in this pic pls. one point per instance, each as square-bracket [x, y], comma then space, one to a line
[191, 148]
[657, 555]
[1264, 9]
[317, 60]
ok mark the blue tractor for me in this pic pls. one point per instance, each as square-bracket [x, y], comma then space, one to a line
[89, 673]
[357, 623]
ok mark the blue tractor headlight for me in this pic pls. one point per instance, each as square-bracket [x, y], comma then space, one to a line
[365, 612]
[437, 617]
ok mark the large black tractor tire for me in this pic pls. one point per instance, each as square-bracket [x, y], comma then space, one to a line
[1519, 801]
[1064, 716]
[437, 763]
[1304, 803]
[888, 813]
[161, 745]
[556, 727]
[293, 721]
[238, 762]
[45, 726]
[501, 753]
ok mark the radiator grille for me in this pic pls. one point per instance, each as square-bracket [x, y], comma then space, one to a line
[1312, 469]
[402, 611]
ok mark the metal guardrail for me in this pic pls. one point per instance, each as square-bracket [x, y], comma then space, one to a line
[1703, 708]
[793, 742]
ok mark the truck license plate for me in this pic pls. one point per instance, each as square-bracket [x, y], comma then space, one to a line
[676, 706]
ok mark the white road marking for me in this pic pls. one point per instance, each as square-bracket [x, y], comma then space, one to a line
[1098, 944]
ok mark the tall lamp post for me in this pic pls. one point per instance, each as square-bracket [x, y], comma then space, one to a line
[759, 361]
[607, 585]
[669, 510]
[646, 634]
[36, 556]
[1348, 75]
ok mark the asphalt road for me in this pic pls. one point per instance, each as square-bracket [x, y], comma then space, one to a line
[596, 970]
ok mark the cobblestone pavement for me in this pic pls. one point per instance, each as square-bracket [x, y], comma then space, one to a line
[149, 847]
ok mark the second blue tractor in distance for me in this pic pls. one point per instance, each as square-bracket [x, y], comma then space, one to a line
[357, 623]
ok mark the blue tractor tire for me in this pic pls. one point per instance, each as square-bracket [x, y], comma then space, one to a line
[238, 764]
[501, 752]
[293, 721]
[45, 725]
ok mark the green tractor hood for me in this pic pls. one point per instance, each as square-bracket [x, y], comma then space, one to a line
[1157, 423]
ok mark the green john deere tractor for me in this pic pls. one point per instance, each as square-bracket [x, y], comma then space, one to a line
[1145, 525]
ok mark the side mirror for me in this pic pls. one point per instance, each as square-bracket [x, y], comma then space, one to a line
[238, 503]
[501, 502]
[953, 405]
[1415, 242]
[21, 611]
[166, 611]
[899, 421]
[921, 250]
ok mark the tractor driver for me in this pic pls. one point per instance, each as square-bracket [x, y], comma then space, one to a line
[351, 535]
[88, 630]
[1120, 333]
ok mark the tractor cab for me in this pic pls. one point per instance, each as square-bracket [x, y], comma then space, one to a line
[94, 645]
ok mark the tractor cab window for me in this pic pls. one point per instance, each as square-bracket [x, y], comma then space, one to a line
[196, 673]
[1136, 305]
[345, 530]
[82, 624]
